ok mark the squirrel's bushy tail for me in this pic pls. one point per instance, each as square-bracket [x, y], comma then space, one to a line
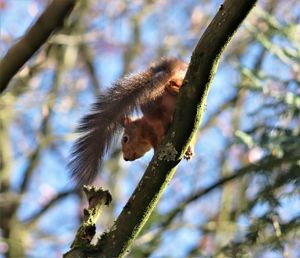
[99, 127]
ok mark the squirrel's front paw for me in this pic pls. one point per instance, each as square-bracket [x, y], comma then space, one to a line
[189, 153]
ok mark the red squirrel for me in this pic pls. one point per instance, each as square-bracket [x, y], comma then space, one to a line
[154, 91]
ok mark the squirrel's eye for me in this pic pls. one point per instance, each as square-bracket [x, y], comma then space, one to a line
[125, 139]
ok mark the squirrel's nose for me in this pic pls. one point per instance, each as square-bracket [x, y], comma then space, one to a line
[126, 157]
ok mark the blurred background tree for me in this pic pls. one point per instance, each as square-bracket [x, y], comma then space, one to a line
[238, 197]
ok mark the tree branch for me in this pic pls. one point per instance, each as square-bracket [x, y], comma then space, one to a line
[49, 21]
[97, 198]
[190, 108]
[187, 118]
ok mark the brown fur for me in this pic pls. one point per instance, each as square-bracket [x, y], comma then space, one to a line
[145, 90]
[146, 132]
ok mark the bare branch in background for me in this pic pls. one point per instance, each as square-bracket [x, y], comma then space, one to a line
[49, 21]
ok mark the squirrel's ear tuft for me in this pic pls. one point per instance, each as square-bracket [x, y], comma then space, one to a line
[127, 120]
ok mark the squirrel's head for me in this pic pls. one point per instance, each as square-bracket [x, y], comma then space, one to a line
[135, 141]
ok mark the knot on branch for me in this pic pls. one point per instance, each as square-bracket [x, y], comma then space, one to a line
[97, 198]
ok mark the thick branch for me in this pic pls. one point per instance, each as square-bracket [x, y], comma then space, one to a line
[187, 119]
[49, 21]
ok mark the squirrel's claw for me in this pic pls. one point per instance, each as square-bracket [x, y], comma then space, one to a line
[189, 153]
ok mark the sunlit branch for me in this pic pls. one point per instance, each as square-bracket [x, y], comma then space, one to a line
[190, 108]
